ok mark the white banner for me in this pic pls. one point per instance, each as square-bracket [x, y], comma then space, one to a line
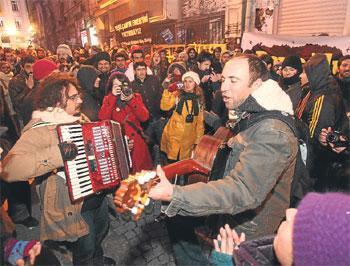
[250, 40]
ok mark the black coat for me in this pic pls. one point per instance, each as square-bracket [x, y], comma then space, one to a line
[151, 92]
[256, 252]
[90, 106]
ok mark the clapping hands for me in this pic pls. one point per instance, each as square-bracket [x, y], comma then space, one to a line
[228, 240]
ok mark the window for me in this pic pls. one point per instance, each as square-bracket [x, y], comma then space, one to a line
[18, 24]
[14, 5]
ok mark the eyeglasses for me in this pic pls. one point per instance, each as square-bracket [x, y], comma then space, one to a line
[75, 97]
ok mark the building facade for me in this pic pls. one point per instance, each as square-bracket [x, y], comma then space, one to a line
[60, 21]
[143, 22]
[15, 28]
[128, 22]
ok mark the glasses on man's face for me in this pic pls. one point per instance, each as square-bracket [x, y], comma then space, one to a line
[75, 97]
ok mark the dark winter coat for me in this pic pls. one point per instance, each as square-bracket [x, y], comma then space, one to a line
[294, 91]
[255, 252]
[208, 87]
[102, 90]
[324, 108]
[18, 90]
[151, 93]
[87, 76]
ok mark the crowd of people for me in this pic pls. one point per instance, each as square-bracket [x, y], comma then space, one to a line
[165, 108]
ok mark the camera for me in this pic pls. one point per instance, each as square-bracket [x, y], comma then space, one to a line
[209, 72]
[189, 118]
[334, 138]
[179, 85]
[126, 89]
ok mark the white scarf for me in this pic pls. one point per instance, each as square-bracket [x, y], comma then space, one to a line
[55, 115]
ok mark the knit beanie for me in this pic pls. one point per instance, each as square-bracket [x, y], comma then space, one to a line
[65, 49]
[180, 65]
[86, 76]
[42, 68]
[193, 75]
[17, 249]
[321, 232]
[294, 62]
[101, 56]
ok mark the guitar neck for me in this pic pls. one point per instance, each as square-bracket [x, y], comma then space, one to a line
[188, 166]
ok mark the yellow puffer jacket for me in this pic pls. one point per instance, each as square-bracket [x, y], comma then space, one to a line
[178, 136]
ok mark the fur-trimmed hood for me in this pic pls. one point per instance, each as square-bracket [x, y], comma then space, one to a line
[269, 96]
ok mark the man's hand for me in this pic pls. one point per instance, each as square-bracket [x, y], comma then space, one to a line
[30, 81]
[205, 78]
[164, 189]
[97, 83]
[322, 137]
[338, 149]
[215, 77]
[33, 252]
[68, 151]
[228, 240]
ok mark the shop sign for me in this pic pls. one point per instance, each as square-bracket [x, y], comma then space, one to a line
[135, 29]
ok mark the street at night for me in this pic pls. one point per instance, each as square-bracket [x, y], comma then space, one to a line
[174, 132]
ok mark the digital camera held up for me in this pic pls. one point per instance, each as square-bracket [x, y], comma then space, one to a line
[126, 89]
[334, 137]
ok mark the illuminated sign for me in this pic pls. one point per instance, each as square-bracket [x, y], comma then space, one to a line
[135, 29]
[107, 3]
[132, 22]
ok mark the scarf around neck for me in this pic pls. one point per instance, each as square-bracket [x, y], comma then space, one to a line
[185, 96]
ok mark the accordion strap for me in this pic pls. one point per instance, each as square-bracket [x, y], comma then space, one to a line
[42, 124]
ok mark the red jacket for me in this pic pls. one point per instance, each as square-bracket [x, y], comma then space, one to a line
[134, 112]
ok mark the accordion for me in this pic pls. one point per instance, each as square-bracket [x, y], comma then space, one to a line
[103, 158]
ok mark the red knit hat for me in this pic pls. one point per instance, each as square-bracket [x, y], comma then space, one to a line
[42, 68]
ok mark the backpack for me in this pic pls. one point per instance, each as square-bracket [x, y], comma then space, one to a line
[302, 183]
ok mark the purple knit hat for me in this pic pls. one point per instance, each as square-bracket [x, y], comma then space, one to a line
[321, 233]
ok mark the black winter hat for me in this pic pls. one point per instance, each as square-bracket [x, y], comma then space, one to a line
[101, 56]
[180, 65]
[294, 62]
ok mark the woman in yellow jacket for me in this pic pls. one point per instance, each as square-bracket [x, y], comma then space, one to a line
[186, 124]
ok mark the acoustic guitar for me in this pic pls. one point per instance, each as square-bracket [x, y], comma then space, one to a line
[207, 163]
